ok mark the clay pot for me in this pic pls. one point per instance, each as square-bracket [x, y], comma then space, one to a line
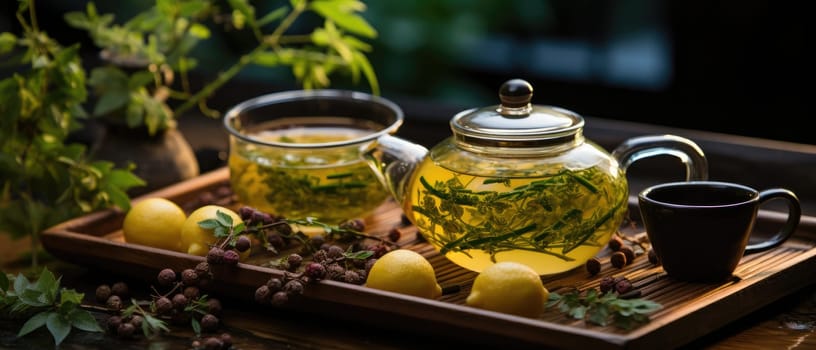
[161, 160]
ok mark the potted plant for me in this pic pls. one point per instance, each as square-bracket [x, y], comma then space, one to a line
[143, 87]
[44, 179]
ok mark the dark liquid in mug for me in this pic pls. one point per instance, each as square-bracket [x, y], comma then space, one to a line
[705, 195]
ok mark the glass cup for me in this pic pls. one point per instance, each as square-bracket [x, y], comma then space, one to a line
[701, 229]
[300, 153]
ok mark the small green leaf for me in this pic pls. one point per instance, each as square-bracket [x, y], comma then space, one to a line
[83, 320]
[58, 326]
[71, 296]
[343, 14]
[224, 218]
[208, 224]
[4, 282]
[33, 297]
[7, 42]
[272, 16]
[33, 323]
[196, 326]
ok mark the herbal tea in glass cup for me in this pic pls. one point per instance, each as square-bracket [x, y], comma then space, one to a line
[300, 153]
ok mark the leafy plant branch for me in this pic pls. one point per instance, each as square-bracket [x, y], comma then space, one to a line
[163, 41]
[44, 179]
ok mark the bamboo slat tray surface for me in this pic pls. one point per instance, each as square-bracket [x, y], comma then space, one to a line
[689, 310]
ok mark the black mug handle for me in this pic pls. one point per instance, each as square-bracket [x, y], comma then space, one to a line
[794, 214]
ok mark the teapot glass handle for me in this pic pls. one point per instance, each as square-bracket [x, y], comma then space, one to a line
[641, 147]
[394, 161]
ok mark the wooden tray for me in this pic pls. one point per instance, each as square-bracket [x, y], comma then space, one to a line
[689, 310]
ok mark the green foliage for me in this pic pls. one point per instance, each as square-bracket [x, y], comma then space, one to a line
[43, 179]
[151, 324]
[45, 303]
[222, 225]
[604, 309]
[148, 51]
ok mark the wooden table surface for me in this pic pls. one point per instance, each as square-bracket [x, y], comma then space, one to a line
[787, 323]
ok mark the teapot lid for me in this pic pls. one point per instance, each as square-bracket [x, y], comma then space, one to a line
[516, 122]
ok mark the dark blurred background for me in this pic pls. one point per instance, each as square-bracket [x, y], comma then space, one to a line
[737, 67]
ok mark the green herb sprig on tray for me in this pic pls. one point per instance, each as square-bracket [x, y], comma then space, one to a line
[45, 303]
[604, 309]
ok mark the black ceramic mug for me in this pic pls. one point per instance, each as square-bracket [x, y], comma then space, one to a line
[700, 229]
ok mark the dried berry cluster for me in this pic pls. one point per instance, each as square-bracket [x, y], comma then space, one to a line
[183, 301]
[219, 342]
[330, 262]
[620, 285]
[624, 252]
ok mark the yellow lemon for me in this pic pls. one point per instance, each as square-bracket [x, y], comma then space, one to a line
[154, 222]
[196, 240]
[511, 288]
[404, 271]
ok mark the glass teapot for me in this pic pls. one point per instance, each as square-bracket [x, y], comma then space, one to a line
[519, 182]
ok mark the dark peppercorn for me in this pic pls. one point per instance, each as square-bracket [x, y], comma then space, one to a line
[166, 277]
[615, 243]
[209, 323]
[262, 294]
[231, 257]
[242, 244]
[293, 287]
[335, 251]
[294, 261]
[623, 286]
[353, 224]
[179, 301]
[274, 284]
[215, 255]
[394, 234]
[353, 277]
[189, 277]
[203, 270]
[213, 343]
[163, 305]
[114, 302]
[593, 266]
[136, 321]
[317, 241]
[607, 283]
[125, 330]
[335, 272]
[226, 340]
[120, 289]
[113, 323]
[275, 240]
[245, 212]
[315, 270]
[618, 259]
[280, 298]
[630, 254]
[320, 256]
[103, 292]
[191, 292]
[214, 306]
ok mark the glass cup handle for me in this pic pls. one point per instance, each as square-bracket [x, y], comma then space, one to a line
[636, 148]
[794, 215]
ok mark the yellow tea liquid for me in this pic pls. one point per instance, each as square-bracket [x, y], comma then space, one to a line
[552, 223]
[331, 184]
